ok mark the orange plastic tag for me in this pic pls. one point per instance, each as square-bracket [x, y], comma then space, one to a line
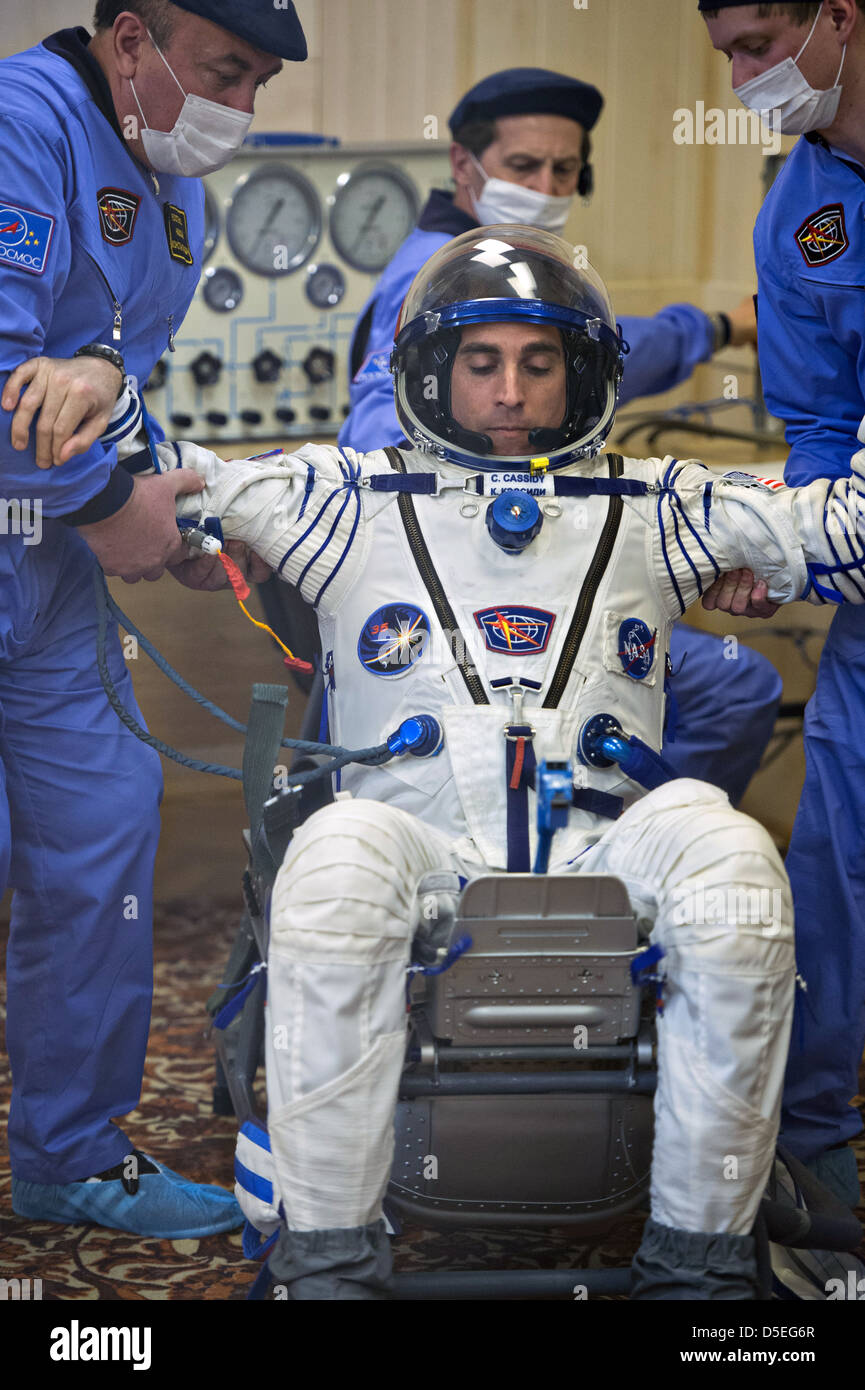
[235, 577]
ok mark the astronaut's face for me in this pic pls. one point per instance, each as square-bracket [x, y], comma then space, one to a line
[508, 379]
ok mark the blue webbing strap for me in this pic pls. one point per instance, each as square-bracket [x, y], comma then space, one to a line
[520, 772]
[601, 487]
[403, 482]
[597, 803]
[428, 483]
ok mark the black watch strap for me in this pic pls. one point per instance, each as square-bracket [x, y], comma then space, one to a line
[110, 354]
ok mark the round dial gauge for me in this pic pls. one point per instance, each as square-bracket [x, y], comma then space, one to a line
[211, 225]
[223, 289]
[374, 209]
[325, 285]
[273, 222]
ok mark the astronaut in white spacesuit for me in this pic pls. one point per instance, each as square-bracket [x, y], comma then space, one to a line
[506, 362]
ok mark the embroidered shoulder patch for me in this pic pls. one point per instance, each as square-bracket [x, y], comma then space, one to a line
[25, 237]
[118, 210]
[822, 237]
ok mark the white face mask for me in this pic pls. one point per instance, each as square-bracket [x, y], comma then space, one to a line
[787, 101]
[501, 201]
[205, 137]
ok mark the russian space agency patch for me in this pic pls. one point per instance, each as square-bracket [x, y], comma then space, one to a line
[822, 237]
[393, 639]
[25, 238]
[516, 631]
[118, 210]
[636, 648]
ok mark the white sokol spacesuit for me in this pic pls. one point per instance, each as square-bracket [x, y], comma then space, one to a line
[427, 605]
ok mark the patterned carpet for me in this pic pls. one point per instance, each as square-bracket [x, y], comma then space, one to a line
[175, 1123]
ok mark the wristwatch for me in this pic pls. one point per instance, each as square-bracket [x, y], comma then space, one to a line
[110, 354]
[722, 331]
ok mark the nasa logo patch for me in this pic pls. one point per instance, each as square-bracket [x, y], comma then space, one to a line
[515, 630]
[25, 237]
[636, 649]
[393, 639]
[118, 210]
[822, 237]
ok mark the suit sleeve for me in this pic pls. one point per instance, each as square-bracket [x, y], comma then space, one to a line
[805, 542]
[300, 512]
[35, 258]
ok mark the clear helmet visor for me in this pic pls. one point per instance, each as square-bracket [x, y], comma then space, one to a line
[507, 274]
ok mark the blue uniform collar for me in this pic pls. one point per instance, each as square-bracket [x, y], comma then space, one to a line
[72, 44]
[441, 215]
[814, 138]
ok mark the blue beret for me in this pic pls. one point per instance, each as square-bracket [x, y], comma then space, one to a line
[528, 92]
[272, 28]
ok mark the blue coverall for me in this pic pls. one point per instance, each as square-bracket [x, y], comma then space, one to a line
[726, 708]
[809, 245]
[83, 245]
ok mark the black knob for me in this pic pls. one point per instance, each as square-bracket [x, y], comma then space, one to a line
[216, 417]
[285, 416]
[319, 365]
[346, 410]
[206, 368]
[267, 366]
[181, 422]
[319, 412]
[157, 376]
[251, 417]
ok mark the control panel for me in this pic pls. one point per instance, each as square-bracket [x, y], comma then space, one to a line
[297, 235]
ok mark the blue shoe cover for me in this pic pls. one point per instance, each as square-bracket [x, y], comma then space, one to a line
[166, 1205]
[837, 1169]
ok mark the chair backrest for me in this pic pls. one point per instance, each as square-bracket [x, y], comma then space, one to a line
[551, 955]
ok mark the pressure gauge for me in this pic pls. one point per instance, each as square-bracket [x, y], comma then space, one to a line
[223, 289]
[374, 209]
[325, 285]
[273, 221]
[211, 225]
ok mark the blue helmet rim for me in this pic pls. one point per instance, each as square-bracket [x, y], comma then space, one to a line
[469, 311]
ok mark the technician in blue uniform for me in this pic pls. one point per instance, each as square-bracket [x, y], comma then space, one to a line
[521, 153]
[101, 234]
[809, 245]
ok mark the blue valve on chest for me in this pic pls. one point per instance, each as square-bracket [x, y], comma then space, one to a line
[513, 520]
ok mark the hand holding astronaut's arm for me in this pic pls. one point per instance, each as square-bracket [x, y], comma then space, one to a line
[141, 540]
[206, 572]
[739, 593]
[300, 512]
[75, 398]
